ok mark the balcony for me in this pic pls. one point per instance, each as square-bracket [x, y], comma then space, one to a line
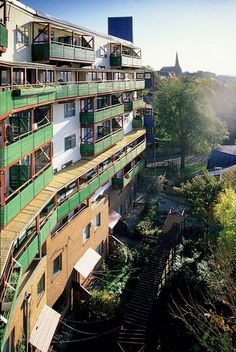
[61, 51]
[125, 61]
[8, 299]
[137, 122]
[3, 38]
[26, 96]
[101, 114]
[91, 149]
[28, 192]
[25, 145]
[122, 182]
[133, 105]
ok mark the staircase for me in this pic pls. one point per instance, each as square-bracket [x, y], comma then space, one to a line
[133, 334]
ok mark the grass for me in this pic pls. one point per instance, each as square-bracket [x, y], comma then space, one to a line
[192, 168]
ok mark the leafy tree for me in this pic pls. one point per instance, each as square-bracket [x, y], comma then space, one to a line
[185, 115]
[201, 195]
[225, 211]
[103, 305]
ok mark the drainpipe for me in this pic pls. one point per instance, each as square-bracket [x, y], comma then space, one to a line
[27, 320]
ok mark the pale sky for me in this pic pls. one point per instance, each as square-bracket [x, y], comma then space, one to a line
[202, 31]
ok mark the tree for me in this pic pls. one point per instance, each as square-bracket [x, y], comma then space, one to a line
[201, 194]
[225, 211]
[185, 115]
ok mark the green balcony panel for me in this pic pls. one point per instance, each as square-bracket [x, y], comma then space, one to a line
[3, 36]
[6, 102]
[115, 60]
[45, 52]
[128, 106]
[98, 147]
[101, 115]
[29, 253]
[15, 205]
[18, 270]
[137, 123]
[124, 181]
[18, 149]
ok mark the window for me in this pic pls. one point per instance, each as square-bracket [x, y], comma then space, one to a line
[22, 35]
[41, 287]
[69, 109]
[86, 232]
[103, 51]
[98, 220]
[70, 142]
[57, 264]
[100, 248]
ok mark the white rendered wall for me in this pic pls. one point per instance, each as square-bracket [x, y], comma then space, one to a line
[100, 191]
[101, 61]
[128, 118]
[64, 127]
[17, 52]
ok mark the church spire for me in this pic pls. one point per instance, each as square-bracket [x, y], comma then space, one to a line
[177, 65]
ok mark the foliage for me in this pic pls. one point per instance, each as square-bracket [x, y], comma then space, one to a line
[103, 305]
[13, 282]
[20, 346]
[146, 227]
[201, 195]
[225, 211]
[185, 116]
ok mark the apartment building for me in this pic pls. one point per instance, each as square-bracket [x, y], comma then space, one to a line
[71, 145]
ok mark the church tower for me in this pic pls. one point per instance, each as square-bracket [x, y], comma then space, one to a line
[178, 70]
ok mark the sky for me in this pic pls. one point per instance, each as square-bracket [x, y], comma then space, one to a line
[203, 32]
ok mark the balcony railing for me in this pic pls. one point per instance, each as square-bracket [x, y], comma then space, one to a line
[29, 191]
[3, 36]
[25, 145]
[125, 61]
[125, 180]
[62, 51]
[137, 123]
[24, 96]
[102, 144]
[9, 300]
[133, 105]
[25, 257]
[101, 114]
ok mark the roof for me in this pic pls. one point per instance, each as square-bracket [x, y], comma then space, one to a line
[114, 217]
[52, 19]
[230, 174]
[228, 149]
[16, 226]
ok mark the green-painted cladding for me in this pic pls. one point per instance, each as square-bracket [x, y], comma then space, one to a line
[14, 206]
[42, 52]
[23, 97]
[124, 181]
[101, 115]
[98, 147]
[17, 150]
[3, 36]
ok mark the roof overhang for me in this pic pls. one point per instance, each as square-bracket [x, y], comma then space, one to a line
[114, 217]
[44, 329]
[87, 262]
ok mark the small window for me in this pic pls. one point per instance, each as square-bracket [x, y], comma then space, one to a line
[70, 142]
[103, 51]
[98, 220]
[57, 264]
[22, 35]
[86, 232]
[41, 287]
[100, 248]
[69, 109]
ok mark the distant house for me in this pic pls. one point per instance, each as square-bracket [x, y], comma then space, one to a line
[222, 157]
[172, 70]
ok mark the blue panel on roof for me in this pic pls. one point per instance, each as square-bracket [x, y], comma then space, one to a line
[121, 27]
[220, 159]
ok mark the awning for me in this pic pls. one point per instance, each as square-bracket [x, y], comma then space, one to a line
[87, 262]
[114, 217]
[44, 329]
